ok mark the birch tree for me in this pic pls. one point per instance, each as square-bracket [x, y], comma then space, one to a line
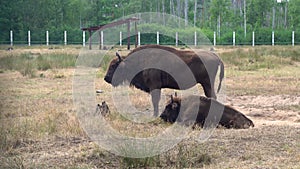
[186, 7]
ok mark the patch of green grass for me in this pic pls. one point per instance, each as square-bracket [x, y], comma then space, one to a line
[289, 107]
[128, 162]
[27, 64]
[28, 69]
[191, 156]
[104, 66]
[59, 76]
[55, 61]
[105, 62]
[250, 59]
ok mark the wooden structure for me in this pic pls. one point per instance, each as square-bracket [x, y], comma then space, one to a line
[120, 22]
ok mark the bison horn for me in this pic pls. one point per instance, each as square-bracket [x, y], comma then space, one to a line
[119, 57]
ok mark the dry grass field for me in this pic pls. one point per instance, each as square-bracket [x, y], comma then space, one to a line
[39, 127]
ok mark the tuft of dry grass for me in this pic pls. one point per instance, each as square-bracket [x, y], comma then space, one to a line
[29, 62]
[263, 81]
[260, 57]
[36, 108]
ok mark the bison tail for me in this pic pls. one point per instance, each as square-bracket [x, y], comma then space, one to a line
[221, 75]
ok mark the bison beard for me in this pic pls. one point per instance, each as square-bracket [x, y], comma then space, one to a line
[203, 66]
[230, 118]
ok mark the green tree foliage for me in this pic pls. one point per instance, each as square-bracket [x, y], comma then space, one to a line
[219, 11]
[294, 14]
[259, 10]
[222, 16]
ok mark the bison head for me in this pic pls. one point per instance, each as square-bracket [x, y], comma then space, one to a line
[114, 64]
[171, 111]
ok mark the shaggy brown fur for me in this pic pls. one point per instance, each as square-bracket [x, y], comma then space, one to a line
[203, 66]
[231, 118]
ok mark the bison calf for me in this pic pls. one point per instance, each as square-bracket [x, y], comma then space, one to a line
[230, 118]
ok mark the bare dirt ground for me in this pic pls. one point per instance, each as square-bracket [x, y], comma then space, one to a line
[39, 128]
[280, 109]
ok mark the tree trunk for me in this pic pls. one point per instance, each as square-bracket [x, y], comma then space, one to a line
[285, 14]
[195, 13]
[186, 12]
[172, 8]
[178, 11]
[203, 13]
[219, 26]
[273, 18]
[178, 8]
[245, 19]
[163, 8]
[241, 11]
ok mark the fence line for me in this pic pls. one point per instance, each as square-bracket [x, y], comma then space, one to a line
[158, 41]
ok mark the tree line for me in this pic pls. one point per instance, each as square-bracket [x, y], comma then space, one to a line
[222, 16]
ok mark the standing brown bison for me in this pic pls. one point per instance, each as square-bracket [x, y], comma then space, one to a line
[196, 109]
[153, 67]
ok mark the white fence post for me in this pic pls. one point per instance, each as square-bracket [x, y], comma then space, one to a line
[83, 38]
[120, 38]
[214, 38]
[272, 38]
[253, 38]
[157, 38]
[176, 37]
[29, 40]
[65, 37]
[102, 40]
[195, 38]
[47, 38]
[293, 38]
[11, 38]
[233, 39]
[139, 38]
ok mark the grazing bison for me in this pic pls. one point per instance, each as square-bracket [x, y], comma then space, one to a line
[230, 118]
[148, 62]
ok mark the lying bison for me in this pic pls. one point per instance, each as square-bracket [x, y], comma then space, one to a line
[153, 67]
[230, 118]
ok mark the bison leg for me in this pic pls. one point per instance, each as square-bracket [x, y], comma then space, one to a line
[209, 90]
[155, 96]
